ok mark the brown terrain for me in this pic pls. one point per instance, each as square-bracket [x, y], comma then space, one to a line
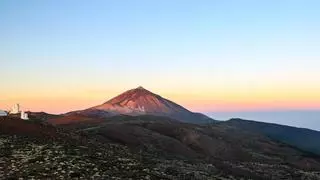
[155, 148]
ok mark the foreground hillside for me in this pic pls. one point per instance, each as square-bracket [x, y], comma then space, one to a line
[144, 147]
[42, 151]
[230, 150]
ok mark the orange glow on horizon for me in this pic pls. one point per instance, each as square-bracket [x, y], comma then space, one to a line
[210, 99]
[202, 103]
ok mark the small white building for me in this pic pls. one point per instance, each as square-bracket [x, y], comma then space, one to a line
[24, 115]
[3, 113]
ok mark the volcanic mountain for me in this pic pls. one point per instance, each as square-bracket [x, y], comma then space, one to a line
[140, 101]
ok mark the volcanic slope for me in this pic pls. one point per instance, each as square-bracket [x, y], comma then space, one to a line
[140, 101]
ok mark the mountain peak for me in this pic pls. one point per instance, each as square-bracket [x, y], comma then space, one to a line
[140, 101]
[141, 88]
[139, 91]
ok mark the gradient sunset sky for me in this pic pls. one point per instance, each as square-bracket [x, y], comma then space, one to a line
[235, 55]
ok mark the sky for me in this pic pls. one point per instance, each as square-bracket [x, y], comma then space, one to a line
[209, 56]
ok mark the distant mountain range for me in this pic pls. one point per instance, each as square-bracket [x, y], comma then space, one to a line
[140, 101]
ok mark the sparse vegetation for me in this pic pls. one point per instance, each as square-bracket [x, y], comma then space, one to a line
[145, 148]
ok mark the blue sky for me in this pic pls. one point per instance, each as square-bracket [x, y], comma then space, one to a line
[205, 55]
[136, 30]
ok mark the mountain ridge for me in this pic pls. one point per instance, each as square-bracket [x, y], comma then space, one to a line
[303, 138]
[140, 101]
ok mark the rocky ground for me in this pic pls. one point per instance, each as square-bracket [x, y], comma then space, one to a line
[27, 158]
[143, 150]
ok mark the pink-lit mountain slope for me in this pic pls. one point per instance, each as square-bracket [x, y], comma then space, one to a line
[140, 101]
